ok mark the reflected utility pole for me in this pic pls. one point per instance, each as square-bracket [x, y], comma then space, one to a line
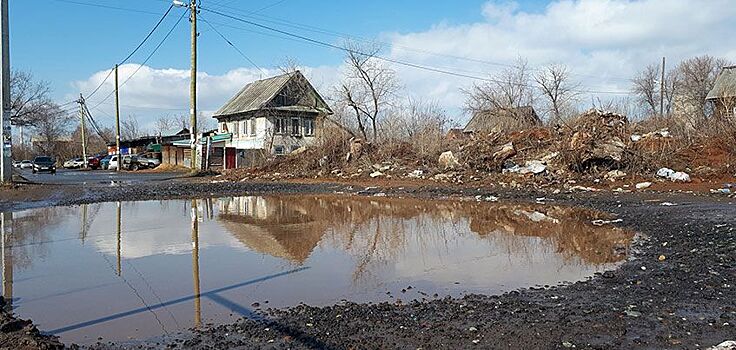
[195, 264]
[120, 227]
[6, 234]
[83, 233]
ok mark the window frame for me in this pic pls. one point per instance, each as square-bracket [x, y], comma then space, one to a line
[253, 127]
[308, 131]
[295, 129]
[280, 126]
[281, 147]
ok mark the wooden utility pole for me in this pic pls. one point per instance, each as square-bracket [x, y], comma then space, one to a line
[117, 122]
[6, 146]
[193, 86]
[84, 133]
[661, 90]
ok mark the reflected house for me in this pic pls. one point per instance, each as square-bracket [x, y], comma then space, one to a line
[291, 227]
[273, 226]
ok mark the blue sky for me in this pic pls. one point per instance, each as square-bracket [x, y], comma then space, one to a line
[603, 41]
[61, 41]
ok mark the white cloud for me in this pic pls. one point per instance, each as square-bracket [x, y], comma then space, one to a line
[153, 92]
[604, 42]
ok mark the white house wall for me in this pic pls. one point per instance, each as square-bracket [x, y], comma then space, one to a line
[264, 130]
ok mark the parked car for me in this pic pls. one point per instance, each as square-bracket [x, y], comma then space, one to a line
[93, 163]
[26, 164]
[105, 162]
[16, 164]
[44, 163]
[73, 163]
[130, 162]
[152, 162]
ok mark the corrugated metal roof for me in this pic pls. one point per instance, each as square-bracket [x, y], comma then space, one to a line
[255, 95]
[725, 85]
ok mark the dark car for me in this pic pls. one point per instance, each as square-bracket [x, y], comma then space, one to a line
[93, 163]
[44, 163]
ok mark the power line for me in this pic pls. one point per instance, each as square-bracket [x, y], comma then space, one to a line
[106, 7]
[390, 60]
[231, 44]
[132, 52]
[347, 36]
[146, 60]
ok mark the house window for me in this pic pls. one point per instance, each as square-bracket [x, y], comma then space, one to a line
[223, 128]
[244, 128]
[253, 127]
[296, 129]
[279, 150]
[236, 129]
[281, 127]
[308, 127]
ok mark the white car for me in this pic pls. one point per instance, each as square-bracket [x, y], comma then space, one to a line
[26, 164]
[74, 163]
[113, 163]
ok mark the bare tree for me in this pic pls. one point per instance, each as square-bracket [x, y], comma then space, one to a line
[28, 98]
[289, 65]
[368, 88]
[130, 129]
[51, 123]
[696, 78]
[508, 90]
[166, 124]
[557, 89]
[647, 88]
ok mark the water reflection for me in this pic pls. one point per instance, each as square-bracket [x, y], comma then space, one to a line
[219, 257]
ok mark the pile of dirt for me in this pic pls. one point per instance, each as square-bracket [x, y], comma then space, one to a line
[22, 334]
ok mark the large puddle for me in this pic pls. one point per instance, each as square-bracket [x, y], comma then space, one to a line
[136, 270]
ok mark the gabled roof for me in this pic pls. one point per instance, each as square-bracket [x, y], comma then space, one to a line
[260, 94]
[725, 85]
[510, 118]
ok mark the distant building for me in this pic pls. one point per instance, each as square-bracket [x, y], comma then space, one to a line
[723, 94]
[503, 119]
[273, 116]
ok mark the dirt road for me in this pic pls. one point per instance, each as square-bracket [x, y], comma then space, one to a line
[678, 290]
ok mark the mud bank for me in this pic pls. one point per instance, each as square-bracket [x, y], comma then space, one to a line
[677, 291]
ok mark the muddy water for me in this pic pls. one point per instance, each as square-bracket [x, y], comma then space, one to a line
[137, 270]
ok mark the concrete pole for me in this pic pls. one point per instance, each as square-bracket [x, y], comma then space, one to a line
[84, 132]
[6, 238]
[117, 122]
[195, 265]
[6, 165]
[661, 91]
[193, 86]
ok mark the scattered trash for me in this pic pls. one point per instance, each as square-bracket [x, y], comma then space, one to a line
[631, 313]
[643, 185]
[583, 189]
[530, 167]
[667, 204]
[725, 191]
[448, 160]
[614, 175]
[675, 176]
[416, 174]
[568, 344]
[606, 222]
[662, 258]
[726, 345]
[376, 174]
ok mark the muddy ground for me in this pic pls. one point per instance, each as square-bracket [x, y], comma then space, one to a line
[677, 291]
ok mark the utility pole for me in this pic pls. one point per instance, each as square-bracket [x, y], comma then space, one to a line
[6, 144]
[661, 91]
[83, 127]
[193, 85]
[117, 122]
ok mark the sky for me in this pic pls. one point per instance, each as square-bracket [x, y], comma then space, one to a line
[72, 44]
